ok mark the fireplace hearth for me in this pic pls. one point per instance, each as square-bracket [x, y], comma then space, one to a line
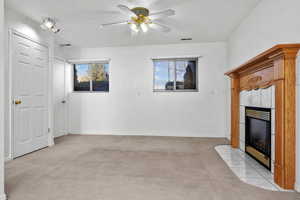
[258, 134]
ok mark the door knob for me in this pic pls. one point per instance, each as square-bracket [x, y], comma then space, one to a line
[17, 102]
[63, 101]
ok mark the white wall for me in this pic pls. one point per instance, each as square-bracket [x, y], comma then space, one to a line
[2, 195]
[132, 108]
[18, 22]
[270, 23]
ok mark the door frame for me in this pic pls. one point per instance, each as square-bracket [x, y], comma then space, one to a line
[65, 93]
[10, 117]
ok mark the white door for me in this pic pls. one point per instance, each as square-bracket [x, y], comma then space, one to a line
[30, 95]
[59, 98]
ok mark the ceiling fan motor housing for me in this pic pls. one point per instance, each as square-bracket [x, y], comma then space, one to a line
[140, 11]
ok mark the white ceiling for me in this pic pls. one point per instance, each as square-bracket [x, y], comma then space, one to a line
[202, 20]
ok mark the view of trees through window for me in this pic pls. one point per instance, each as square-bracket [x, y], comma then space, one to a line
[91, 77]
[175, 74]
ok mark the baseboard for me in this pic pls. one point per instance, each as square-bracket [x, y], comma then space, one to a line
[3, 197]
[60, 135]
[228, 137]
[9, 158]
[149, 133]
[297, 187]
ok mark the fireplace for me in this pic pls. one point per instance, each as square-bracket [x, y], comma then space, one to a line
[274, 67]
[258, 135]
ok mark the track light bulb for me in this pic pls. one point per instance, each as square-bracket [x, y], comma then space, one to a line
[47, 23]
[55, 30]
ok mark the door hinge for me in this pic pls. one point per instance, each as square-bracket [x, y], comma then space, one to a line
[49, 130]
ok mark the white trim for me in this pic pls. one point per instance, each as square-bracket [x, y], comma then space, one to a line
[149, 133]
[88, 61]
[50, 97]
[11, 32]
[60, 58]
[10, 94]
[176, 57]
[3, 197]
[66, 114]
[6, 159]
[83, 61]
[175, 81]
[2, 100]
[65, 94]
[228, 136]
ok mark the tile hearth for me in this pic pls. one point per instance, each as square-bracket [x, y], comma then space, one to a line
[247, 169]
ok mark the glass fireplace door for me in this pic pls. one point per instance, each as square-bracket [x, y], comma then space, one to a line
[258, 134]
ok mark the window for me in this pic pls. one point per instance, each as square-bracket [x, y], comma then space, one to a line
[93, 77]
[175, 74]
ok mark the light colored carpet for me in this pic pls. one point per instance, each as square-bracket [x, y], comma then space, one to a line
[129, 168]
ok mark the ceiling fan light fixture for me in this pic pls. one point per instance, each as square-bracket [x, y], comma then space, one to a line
[141, 19]
[134, 27]
[144, 27]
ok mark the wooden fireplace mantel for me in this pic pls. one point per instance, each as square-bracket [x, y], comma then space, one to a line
[276, 66]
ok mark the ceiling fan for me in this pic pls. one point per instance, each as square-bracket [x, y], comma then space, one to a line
[141, 19]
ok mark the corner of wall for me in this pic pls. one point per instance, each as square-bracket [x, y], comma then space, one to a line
[297, 187]
[7, 158]
[2, 131]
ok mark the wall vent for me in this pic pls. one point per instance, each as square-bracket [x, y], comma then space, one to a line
[65, 45]
[186, 39]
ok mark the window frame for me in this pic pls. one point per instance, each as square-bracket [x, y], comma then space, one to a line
[175, 60]
[91, 86]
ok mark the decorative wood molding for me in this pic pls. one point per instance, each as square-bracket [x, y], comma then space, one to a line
[276, 66]
[235, 114]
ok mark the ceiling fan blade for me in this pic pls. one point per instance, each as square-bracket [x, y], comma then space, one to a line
[144, 3]
[126, 10]
[113, 23]
[160, 27]
[162, 14]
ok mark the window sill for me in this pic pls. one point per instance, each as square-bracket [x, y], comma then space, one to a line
[89, 92]
[175, 91]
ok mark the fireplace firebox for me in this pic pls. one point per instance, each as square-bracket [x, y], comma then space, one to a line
[258, 134]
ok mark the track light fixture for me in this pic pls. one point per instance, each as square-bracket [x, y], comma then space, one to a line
[49, 24]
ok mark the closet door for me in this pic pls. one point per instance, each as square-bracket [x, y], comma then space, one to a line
[59, 98]
[30, 94]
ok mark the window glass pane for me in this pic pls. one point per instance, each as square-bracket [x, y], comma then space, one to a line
[81, 78]
[91, 77]
[163, 75]
[99, 74]
[186, 75]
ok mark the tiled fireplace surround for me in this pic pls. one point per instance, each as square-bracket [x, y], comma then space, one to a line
[246, 168]
[263, 98]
